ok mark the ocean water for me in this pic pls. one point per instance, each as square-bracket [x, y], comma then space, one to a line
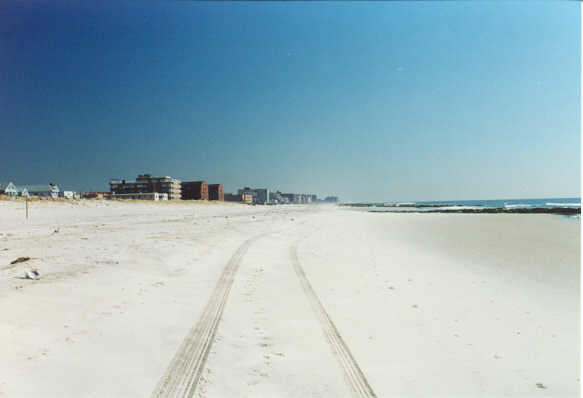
[423, 206]
[493, 204]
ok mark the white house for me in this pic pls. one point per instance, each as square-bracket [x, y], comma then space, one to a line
[8, 189]
[66, 194]
[46, 191]
[22, 191]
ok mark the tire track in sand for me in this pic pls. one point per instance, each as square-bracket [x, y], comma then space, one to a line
[185, 369]
[352, 372]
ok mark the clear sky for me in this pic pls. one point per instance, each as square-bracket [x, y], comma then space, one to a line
[371, 101]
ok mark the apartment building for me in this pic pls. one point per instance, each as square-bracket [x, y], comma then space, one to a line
[195, 190]
[145, 183]
[140, 196]
[216, 192]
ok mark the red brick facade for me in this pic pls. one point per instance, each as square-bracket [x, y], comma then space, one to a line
[195, 190]
[216, 192]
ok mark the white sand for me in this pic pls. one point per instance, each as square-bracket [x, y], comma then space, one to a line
[428, 304]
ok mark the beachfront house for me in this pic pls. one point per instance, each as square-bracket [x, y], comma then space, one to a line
[44, 191]
[66, 194]
[8, 189]
[21, 191]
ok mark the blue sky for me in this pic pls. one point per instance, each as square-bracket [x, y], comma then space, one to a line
[371, 101]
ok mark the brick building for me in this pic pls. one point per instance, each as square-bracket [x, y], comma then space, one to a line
[216, 192]
[195, 190]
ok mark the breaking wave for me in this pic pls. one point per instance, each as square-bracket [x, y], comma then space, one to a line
[563, 204]
[516, 206]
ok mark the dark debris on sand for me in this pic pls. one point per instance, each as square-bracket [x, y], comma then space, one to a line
[20, 260]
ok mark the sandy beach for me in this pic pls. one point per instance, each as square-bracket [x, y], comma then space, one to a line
[223, 300]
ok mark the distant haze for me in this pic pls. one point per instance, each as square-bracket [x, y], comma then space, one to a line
[370, 101]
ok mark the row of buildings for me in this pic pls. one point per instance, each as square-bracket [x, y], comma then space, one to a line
[167, 188]
[44, 191]
[146, 187]
[264, 196]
